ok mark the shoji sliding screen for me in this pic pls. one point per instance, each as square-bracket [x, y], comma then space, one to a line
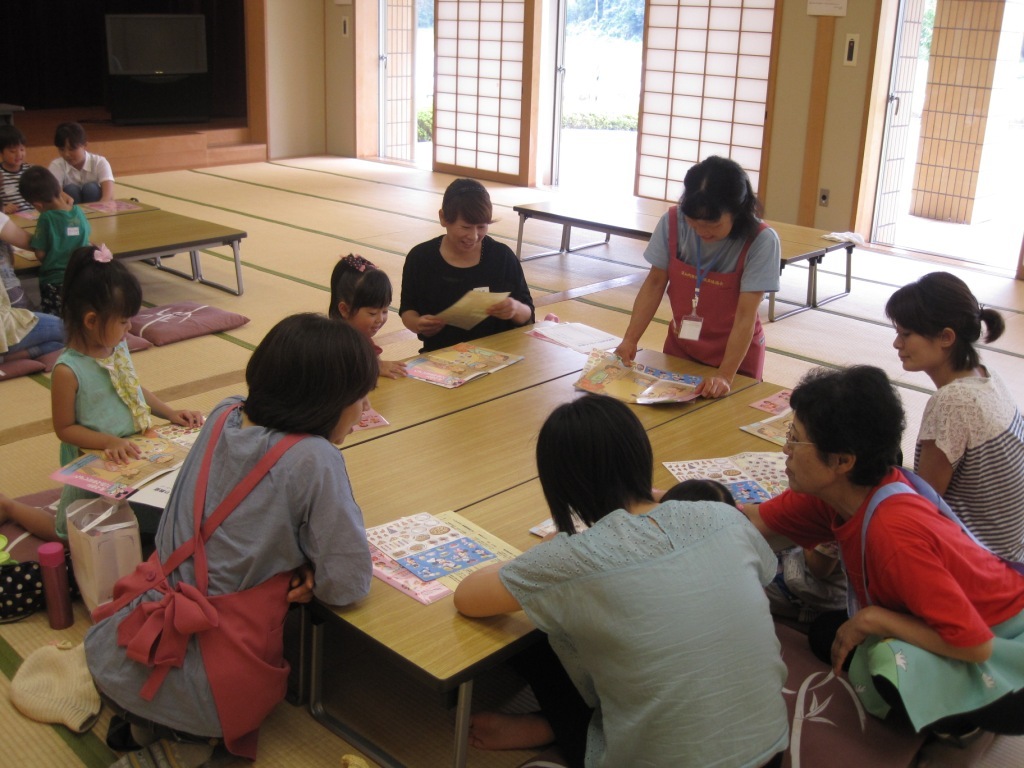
[705, 90]
[485, 85]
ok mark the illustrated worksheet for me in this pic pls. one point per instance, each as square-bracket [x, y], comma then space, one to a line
[428, 547]
[392, 572]
[751, 477]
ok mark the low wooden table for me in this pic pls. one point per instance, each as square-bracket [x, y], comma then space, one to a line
[636, 219]
[490, 435]
[148, 233]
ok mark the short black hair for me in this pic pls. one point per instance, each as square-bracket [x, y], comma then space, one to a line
[358, 283]
[37, 185]
[699, 489]
[305, 372]
[107, 288]
[853, 410]
[718, 185]
[10, 136]
[593, 457]
[467, 199]
[69, 134]
[940, 300]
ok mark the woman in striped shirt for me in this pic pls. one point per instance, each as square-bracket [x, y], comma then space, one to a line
[971, 444]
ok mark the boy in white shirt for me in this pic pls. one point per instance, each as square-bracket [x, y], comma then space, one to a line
[84, 176]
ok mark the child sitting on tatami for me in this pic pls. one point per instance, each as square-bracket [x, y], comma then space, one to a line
[84, 176]
[62, 227]
[361, 295]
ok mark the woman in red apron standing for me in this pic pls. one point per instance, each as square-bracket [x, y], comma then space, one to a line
[191, 648]
[717, 259]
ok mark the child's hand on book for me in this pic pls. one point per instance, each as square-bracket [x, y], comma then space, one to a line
[120, 450]
[186, 418]
[392, 369]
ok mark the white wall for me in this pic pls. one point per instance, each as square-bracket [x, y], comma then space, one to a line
[296, 121]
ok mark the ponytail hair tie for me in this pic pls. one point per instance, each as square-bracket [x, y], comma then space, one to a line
[102, 254]
[358, 263]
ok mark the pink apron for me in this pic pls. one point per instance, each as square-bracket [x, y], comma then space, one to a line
[719, 295]
[240, 634]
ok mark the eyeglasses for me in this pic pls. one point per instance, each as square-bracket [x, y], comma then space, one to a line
[792, 441]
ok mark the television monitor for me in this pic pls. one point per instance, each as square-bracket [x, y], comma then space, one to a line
[156, 44]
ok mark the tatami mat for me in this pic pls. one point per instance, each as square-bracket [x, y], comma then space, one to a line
[300, 215]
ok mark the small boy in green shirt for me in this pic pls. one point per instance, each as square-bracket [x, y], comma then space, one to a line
[61, 228]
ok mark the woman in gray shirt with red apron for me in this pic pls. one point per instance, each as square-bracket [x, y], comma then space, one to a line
[716, 259]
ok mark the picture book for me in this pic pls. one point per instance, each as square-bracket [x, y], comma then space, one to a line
[94, 472]
[604, 373]
[453, 366]
[370, 420]
[575, 336]
[751, 477]
[774, 429]
[777, 403]
[471, 308]
[391, 571]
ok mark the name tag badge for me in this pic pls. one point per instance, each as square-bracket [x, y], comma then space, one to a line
[689, 328]
[73, 231]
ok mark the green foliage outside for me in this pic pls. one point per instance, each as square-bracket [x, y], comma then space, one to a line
[614, 18]
[425, 125]
[927, 26]
[599, 122]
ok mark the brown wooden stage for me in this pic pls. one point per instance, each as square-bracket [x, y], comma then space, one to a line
[135, 149]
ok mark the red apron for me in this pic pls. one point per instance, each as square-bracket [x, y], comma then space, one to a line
[719, 295]
[240, 634]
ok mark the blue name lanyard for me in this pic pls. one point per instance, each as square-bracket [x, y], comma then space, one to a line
[702, 272]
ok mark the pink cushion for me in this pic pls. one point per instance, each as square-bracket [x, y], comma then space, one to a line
[23, 367]
[184, 320]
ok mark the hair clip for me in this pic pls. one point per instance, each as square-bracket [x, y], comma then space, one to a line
[102, 254]
[358, 263]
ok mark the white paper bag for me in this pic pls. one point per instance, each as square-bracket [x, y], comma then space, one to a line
[105, 545]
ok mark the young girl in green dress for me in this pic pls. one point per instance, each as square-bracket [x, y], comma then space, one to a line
[96, 396]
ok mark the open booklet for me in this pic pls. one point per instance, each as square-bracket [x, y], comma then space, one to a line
[161, 450]
[605, 374]
[774, 429]
[426, 556]
[751, 477]
[471, 309]
[453, 366]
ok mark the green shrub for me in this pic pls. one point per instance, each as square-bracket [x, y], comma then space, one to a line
[598, 122]
[425, 124]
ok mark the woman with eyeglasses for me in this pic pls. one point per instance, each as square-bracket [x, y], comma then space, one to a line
[970, 447]
[934, 634]
[716, 259]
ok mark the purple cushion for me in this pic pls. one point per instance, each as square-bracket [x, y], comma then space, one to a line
[184, 320]
[23, 367]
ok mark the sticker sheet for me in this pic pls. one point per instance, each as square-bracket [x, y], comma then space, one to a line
[751, 477]
[427, 546]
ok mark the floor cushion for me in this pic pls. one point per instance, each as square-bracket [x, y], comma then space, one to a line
[23, 367]
[183, 320]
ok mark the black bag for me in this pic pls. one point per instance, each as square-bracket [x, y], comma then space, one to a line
[21, 590]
